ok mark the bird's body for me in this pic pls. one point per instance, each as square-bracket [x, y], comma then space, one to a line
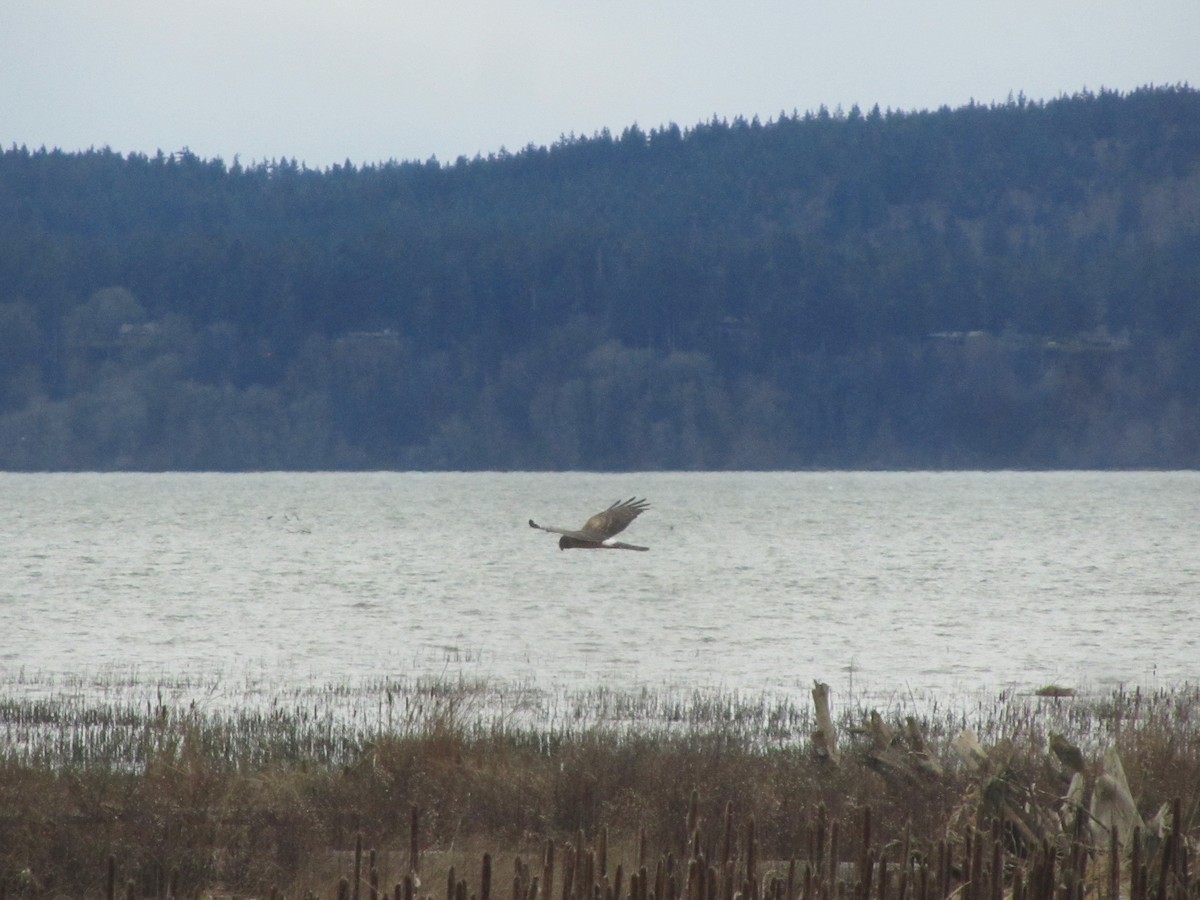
[598, 531]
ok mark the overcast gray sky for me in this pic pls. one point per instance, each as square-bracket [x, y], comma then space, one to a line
[323, 81]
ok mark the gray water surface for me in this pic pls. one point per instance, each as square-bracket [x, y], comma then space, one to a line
[908, 583]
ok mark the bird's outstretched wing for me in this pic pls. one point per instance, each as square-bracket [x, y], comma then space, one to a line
[620, 545]
[603, 525]
[569, 532]
[615, 519]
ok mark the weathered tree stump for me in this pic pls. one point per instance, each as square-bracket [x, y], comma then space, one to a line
[824, 739]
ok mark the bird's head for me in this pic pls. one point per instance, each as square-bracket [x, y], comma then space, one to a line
[562, 543]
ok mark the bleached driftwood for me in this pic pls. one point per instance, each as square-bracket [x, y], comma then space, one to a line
[970, 751]
[922, 755]
[1003, 797]
[1112, 803]
[824, 738]
[882, 752]
[904, 754]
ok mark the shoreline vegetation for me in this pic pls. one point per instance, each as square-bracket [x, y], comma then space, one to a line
[456, 789]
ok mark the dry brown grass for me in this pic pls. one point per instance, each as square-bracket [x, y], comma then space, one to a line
[222, 802]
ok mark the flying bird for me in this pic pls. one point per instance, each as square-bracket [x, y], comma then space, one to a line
[597, 531]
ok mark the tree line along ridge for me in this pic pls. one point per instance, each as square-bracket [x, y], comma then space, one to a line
[1006, 285]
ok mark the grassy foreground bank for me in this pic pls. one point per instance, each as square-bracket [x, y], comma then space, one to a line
[696, 796]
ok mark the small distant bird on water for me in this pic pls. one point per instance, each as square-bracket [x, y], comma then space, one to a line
[597, 531]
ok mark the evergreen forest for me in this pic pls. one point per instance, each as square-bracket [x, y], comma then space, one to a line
[1011, 285]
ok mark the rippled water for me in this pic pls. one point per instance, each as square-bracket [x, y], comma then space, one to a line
[909, 583]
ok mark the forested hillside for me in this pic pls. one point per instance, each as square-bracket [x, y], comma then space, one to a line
[1014, 285]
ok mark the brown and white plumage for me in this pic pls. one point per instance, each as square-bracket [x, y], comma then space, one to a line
[597, 532]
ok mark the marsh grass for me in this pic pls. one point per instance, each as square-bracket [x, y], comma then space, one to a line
[196, 786]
